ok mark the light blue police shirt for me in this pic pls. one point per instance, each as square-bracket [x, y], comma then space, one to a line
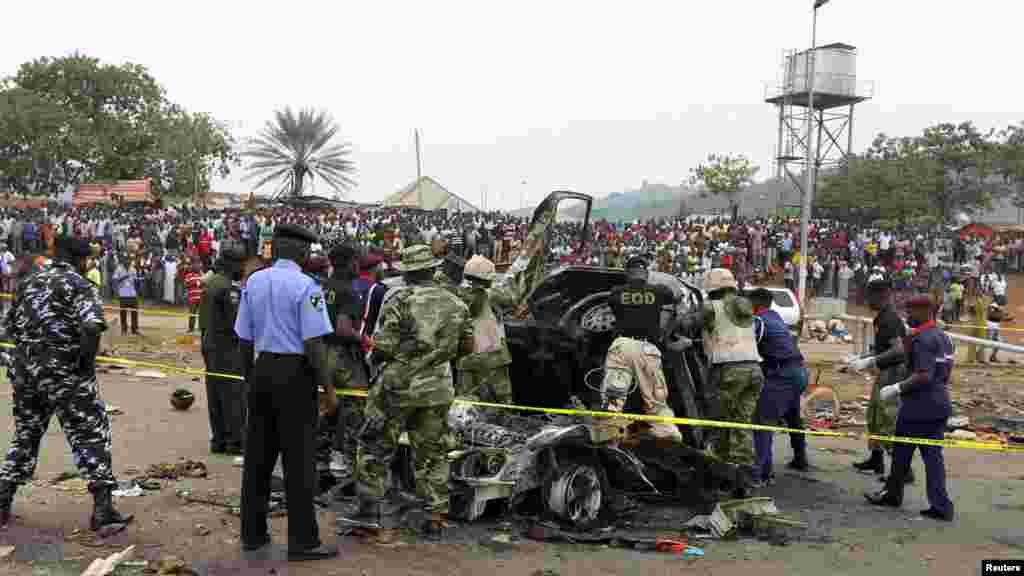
[280, 309]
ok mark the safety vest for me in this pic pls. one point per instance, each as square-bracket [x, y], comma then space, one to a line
[729, 342]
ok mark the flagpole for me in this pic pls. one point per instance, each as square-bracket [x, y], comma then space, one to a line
[809, 172]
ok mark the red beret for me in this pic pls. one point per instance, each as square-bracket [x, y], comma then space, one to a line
[921, 300]
[370, 261]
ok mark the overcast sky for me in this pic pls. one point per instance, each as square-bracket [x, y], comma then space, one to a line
[591, 95]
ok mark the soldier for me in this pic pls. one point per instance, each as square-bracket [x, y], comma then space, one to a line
[923, 410]
[734, 373]
[282, 318]
[56, 322]
[634, 356]
[344, 350]
[485, 372]
[225, 397]
[422, 329]
[888, 356]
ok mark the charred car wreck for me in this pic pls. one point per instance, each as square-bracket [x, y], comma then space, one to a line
[558, 338]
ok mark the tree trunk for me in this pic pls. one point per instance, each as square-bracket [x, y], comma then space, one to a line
[297, 182]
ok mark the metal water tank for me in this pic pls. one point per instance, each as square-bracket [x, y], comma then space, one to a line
[835, 70]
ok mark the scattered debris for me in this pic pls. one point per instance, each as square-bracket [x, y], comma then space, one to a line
[957, 422]
[129, 491]
[105, 566]
[717, 524]
[74, 486]
[6, 551]
[114, 410]
[149, 374]
[173, 566]
[183, 469]
[962, 435]
[202, 530]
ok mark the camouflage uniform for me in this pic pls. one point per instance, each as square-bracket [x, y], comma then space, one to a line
[45, 323]
[419, 333]
[484, 374]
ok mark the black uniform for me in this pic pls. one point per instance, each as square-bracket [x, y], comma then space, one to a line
[225, 397]
[637, 308]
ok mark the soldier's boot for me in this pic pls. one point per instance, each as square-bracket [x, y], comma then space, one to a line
[7, 490]
[908, 479]
[103, 513]
[377, 517]
[876, 463]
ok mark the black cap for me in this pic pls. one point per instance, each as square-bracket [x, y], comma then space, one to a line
[761, 296]
[232, 252]
[880, 284]
[71, 246]
[638, 261]
[295, 232]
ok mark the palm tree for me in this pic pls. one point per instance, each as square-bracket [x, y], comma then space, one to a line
[296, 146]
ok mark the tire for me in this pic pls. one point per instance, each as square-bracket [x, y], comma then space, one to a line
[576, 495]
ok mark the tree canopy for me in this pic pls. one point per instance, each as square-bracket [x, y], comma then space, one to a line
[724, 174]
[69, 120]
[928, 178]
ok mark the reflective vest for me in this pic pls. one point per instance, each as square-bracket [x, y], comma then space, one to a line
[729, 342]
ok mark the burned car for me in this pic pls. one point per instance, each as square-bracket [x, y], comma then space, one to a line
[558, 336]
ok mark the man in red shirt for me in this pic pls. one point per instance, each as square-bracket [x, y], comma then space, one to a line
[194, 287]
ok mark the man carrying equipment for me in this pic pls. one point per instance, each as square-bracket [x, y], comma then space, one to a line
[634, 356]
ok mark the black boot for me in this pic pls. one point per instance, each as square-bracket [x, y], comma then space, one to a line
[7, 490]
[876, 463]
[799, 461]
[103, 513]
[908, 479]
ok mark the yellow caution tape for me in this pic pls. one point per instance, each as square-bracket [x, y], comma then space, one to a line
[975, 326]
[694, 422]
[147, 311]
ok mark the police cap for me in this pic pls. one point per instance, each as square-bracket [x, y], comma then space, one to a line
[295, 232]
[761, 297]
[638, 261]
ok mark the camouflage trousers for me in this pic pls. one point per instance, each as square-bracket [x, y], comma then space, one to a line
[337, 432]
[739, 387]
[494, 385]
[43, 391]
[881, 416]
[378, 446]
[629, 359]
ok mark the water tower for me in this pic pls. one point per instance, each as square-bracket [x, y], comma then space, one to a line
[836, 93]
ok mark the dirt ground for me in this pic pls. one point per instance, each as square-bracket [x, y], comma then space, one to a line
[845, 536]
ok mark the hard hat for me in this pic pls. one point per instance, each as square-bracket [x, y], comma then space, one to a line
[718, 278]
[480, 268]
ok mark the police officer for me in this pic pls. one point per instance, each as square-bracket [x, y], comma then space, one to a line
[283, 319]
[225, 397]
[785, 379]
[734, 374]
[634, 356]
[923, 410]
[888, 356]
[55, 323]
[485, 372]
[421, 330]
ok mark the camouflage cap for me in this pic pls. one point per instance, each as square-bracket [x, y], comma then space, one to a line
[417, 257]
[718, 278]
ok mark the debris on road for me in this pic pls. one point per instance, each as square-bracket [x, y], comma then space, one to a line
[716, 524]
[105, 566]
[962, 435]
[149, 374]
[178, 470]
[114, 411]
[133, 490]
[957, 422]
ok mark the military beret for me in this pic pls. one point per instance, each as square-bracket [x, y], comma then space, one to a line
[295, 232]
[370, 261]
[635, 261]
[920, 300]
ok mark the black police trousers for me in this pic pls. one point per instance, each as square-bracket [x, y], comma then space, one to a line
[282, 417]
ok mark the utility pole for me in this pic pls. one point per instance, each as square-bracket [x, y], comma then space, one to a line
[419, 172]
[805, 210]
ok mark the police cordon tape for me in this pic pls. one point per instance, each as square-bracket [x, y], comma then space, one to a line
[694, 422]
[146, 311]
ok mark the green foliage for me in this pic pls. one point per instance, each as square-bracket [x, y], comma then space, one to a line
[296, 146]
[68, 120]
[947, 169]
[724, 174]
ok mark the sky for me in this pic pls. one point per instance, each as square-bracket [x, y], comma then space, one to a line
[515, 99]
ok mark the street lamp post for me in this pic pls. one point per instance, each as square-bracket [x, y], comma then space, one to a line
[809, 174]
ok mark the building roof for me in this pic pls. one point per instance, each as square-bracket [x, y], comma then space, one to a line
[427, 194]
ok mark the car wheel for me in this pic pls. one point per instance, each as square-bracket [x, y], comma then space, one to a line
[576, 495]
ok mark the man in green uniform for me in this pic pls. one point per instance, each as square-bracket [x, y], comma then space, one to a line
[422, 329]
[734, 373]
[225, 397]
[485, 372]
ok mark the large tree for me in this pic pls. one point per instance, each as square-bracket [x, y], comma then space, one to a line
[73, 119]
[299, 147]
[725, 175]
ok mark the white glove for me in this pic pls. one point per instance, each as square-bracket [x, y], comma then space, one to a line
[861, 364]
[889, 392]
